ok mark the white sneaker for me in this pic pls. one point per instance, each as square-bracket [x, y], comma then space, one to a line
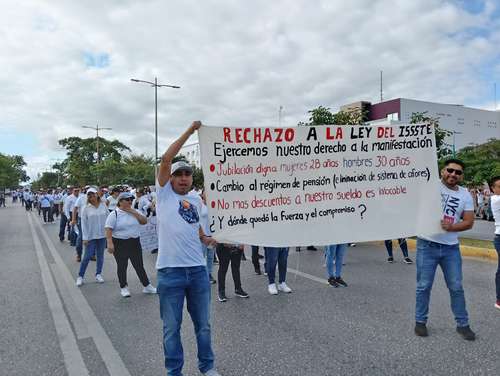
[272, 289]
[125, 293]
[149, 289]
[283, 287]
[79, 281]
[99, 278]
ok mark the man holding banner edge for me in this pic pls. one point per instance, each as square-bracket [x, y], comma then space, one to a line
[444, 249]
[181, 266]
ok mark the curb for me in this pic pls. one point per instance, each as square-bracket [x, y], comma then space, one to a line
[465, 250]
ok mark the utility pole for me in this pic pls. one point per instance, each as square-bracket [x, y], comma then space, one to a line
[279, 115]
[97, 128]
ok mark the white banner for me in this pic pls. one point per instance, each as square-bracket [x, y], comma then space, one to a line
[320, 185]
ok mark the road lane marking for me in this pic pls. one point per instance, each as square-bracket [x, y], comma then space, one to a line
[109, 355]
[72, 356]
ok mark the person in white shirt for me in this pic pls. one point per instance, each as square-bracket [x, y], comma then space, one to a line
[495, 208]
[182, 271]
[93, 217]
[443, 249]
[57, 203]
[68, 204]
[122, 235]
[45, 202]
[142, 202]
[112, 199]
[76, 221]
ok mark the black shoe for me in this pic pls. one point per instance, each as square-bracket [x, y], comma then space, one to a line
[340, 281]
[333, 282]
[257, 271]
[466, 333]
[421, 329]
[154, 251]
[390, 260]
[408, 260]
[241, 293]
[312, 248]
[222, 296]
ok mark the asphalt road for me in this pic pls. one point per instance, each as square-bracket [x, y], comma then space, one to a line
[482, 230]
[50, 327]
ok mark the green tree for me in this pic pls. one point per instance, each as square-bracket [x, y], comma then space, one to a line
[442, 148]
[12, 171]
[47, 180]
[138, 170]
[79, 166]
[323, 116]
[482, 162]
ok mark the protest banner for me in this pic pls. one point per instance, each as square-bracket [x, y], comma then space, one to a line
[320, 185]
[149, 235]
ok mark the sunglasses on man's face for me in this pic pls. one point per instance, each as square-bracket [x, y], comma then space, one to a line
[452, 170]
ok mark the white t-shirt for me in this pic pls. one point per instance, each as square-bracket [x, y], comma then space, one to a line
[178, 228]
[495, 208]
[93, 220]
[123, 224]
[112, 202]
[68, 204]
[143, 205]
[454, 203]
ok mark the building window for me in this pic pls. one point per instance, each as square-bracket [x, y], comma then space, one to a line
[393, 116]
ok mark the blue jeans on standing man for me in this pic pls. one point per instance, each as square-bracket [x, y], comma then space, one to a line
[335, 253]
[276, 256]
[429, 256]
[94, 247]
[175, 285]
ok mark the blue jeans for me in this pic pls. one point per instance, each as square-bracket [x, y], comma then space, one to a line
[209, 255]
[79, 240]
[276, 256]
[429, 256]
[175, 284]
[62, 226]
[497, 276]
[94, 247]
[402, 244]
[335, 253]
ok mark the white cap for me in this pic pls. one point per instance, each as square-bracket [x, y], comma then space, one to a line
[181, 166]
[91, 190]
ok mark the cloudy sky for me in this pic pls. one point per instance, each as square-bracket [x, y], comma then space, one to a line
[64, 64]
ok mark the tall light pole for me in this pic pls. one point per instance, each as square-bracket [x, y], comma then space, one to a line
[156, 85]
[97, 128]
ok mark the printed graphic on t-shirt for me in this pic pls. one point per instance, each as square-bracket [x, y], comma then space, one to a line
[188, 212]
[450, 206]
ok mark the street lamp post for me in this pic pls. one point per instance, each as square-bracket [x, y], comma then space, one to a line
[156, 85]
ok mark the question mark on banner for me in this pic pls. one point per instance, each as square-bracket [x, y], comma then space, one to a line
[364, 209]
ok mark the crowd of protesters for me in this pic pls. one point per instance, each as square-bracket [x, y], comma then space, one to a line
[94, 219]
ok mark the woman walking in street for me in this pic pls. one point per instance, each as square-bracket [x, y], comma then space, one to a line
[93, 218]
[122, 235]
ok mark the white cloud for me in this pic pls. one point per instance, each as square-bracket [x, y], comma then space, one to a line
[237, 62]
